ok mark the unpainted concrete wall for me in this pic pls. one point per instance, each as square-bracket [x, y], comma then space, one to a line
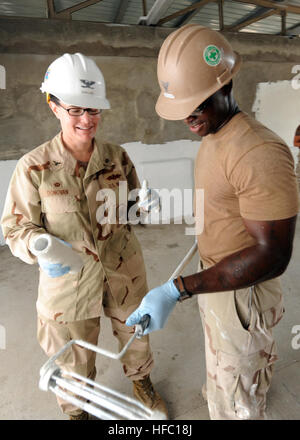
[127, 55]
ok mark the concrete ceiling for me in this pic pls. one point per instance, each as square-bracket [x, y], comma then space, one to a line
[256, 16]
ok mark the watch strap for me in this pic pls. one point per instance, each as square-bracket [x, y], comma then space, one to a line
[184, 294]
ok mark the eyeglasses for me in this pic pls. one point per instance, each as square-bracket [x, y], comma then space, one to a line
[77, 111]
[200, 109]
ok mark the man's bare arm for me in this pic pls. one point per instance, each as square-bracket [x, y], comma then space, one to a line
[267, 259]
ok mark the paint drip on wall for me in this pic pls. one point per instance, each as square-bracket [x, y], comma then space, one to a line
[277, 106]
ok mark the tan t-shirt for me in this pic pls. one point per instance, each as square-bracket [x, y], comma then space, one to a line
[246, 171]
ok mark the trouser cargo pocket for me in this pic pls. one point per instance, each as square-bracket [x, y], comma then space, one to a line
[245, 381]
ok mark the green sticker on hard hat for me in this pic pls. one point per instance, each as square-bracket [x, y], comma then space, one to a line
[212, 55]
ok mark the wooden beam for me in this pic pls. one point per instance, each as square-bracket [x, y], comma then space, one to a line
[248, 21]
[197, 5]
[79, 6]
[50, 9]
[156, 12]
[221, 14]
[67, 13]
[297, 25]
[121, 11]
[263, 3]
[144, 7]
[283, 22]
[187, 17]
[272, 5]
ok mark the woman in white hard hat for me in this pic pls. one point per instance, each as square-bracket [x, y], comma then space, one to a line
[250, 208]
[55, 193]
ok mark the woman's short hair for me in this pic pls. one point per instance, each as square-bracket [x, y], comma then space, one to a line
[54, 99]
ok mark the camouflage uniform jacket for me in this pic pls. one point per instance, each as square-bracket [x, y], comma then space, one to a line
[51, 192]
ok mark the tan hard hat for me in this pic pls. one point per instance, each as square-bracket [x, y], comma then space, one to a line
[193, 63]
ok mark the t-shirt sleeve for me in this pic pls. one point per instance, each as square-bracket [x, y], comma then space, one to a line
[266, 184]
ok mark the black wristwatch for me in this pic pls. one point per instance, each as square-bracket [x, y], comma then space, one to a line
[184, 294]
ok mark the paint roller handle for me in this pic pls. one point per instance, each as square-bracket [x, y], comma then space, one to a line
[142, 325]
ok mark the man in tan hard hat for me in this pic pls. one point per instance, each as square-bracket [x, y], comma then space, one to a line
[53, 197]
[250, 210]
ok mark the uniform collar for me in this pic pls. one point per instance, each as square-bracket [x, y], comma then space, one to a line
[63, 158]
[226, 129]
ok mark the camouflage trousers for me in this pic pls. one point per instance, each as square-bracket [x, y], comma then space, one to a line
[240, 349]
[53, 335]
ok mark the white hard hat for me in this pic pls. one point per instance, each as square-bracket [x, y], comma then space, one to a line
[76, 80]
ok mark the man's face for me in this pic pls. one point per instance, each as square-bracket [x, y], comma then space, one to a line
[209, 115]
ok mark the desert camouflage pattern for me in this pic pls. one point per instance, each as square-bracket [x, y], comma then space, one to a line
[240, 349]
[52, 336]
[50, 191]
[137, 361]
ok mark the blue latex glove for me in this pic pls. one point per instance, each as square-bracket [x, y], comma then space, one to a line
[158, 303]
[54, 270]
[148, 199]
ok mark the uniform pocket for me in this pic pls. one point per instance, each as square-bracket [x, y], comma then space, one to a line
[63, 217]
[57, 297]
[245, 381]
[268, 301]
[242, 306]
[226, 329]
[272, 316]
[60, 204]
[236, 364]
[262, 302]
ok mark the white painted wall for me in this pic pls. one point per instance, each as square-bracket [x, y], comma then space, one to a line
[277, 106]
[168, 167]
[6, 169]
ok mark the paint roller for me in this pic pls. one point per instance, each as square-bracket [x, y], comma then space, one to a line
[51, 249]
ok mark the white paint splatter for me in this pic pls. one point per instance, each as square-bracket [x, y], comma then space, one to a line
[242, 412]
[223, 333]
[253, 390]
[282, 96]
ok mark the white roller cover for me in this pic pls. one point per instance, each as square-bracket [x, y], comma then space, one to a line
[50, 249]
